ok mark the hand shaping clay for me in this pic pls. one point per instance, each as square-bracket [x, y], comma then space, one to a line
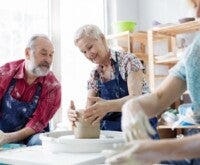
[84, 129]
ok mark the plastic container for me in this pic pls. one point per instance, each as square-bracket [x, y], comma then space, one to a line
[121, 26]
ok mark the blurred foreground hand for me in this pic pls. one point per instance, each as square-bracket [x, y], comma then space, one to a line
[137, 131]
[137, 152]
[135, 123]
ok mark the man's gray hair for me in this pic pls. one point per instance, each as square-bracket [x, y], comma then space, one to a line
[31, 42]
[89, 30]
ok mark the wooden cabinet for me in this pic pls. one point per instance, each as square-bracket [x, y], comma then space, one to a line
[135, 42]
[169, 34]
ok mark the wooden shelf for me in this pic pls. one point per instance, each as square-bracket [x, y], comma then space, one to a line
[169, 34]
[139, 36]
[167, 61]
[177, 127]
[142, 56]
[120, 36]
[180, 28]
[134, 42]
[130, 39]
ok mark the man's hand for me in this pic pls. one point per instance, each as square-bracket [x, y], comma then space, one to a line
[72, 114]
[135, 123]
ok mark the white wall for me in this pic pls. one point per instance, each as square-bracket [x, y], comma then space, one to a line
[118, 10]
[144, 12]
[164, 11]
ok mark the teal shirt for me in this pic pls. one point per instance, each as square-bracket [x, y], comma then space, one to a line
[188, 69]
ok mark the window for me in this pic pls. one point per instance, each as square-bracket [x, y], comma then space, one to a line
[19, 20]
[75, 68]
[59, 19]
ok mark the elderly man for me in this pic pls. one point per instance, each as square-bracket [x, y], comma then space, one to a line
[30, 94]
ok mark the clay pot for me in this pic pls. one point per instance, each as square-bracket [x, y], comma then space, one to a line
[84, 129]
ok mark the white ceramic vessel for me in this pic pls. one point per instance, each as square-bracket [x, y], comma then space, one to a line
[64, 141]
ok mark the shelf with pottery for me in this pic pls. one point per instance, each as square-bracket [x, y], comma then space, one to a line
[134, 42]
[130, 38]
[169, 34]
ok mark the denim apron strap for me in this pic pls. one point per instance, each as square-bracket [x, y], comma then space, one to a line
[113, 89]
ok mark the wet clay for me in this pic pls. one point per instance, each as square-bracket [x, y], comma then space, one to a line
[84, 129]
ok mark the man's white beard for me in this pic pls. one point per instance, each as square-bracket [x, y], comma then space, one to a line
[39, 72]
[36, 69]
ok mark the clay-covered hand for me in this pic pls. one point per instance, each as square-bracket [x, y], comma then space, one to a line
[2, 137]
[72, 114]
[135, 123]
[97, 111]
[132, 153]
[122, 154]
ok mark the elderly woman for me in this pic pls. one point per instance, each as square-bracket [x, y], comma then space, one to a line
[117, 77]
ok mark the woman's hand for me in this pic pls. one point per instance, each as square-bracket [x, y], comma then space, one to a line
[97, 111]
[72, 114]
[2, 138]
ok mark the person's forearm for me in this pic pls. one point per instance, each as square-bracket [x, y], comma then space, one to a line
[18, 135]
[175, 149]
[147, 103]
[116, 104]
[188, 147]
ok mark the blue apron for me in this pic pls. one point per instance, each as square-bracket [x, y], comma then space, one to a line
[115, 89]
[15, 114]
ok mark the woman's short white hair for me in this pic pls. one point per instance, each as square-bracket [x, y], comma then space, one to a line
[89, 30]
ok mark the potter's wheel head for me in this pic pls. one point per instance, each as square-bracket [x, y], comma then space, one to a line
[64, 141]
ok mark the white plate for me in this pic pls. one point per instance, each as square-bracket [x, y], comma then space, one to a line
[64, 141]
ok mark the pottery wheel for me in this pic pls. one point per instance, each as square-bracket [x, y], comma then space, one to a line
[64, 141]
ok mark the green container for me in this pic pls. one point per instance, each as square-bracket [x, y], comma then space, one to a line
[121, 26]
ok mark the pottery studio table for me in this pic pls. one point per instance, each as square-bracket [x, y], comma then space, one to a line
[37, 155]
